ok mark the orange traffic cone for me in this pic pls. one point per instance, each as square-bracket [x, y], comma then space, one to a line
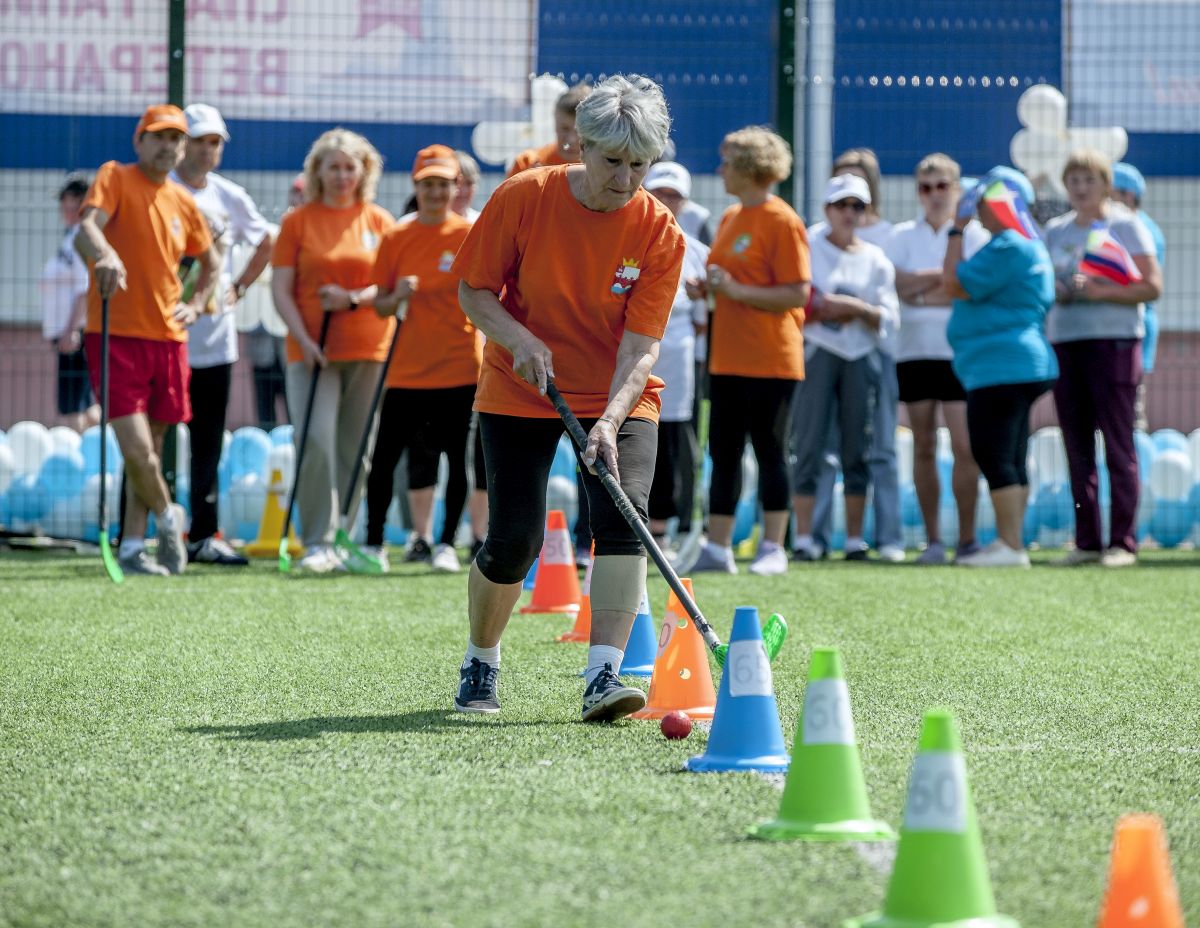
[681, 680]
[556, 588]
[583, 618]
[1141, 890]
[271, 523]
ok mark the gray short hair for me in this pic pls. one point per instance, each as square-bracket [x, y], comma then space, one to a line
[625, 113]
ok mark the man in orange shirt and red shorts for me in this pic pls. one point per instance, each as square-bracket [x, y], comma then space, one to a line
[570, 272]
[135, 228]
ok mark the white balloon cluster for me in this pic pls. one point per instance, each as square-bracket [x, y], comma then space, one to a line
[497, 142]
[1041, 148]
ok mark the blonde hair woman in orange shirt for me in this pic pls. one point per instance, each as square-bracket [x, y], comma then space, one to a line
[758, 285]
[322, 264]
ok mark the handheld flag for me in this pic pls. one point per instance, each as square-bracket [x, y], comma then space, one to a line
[1104, 256]
[1010, 208]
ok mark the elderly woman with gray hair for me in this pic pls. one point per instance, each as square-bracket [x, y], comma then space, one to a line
[570, 271]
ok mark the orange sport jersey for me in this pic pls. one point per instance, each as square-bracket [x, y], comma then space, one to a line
[576, 279]
[335, 246]
[762, 246]
[151, 227]
[547, 156]
[438, 346]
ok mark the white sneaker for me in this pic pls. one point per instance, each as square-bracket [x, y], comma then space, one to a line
[377, 553]
[1118, 557]
[997, 554]
[714, 559]
[891, 554]
[1077, 557]
[770, 563]
[321, 559]
[445, 559]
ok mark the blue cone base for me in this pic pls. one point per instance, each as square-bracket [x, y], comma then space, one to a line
[718, 763]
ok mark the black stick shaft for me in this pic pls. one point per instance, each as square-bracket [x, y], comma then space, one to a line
[625, 505]
[102, 516]
[366, 435]
[308, 410]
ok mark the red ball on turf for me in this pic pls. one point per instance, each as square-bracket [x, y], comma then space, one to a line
[676, 725]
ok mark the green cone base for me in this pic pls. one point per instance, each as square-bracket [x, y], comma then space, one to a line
[878, 920]
[851, 830]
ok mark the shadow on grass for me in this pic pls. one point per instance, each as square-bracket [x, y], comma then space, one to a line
[427, 720]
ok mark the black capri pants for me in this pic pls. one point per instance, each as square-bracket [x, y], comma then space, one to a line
[998, 426]
[425, 423]
[759, 408]
[518, 453]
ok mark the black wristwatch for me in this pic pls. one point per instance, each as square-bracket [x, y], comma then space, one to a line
[954, 232]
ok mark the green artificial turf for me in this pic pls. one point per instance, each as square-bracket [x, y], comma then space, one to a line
[247, 749]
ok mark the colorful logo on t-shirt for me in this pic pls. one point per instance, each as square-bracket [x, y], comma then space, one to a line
[446, 261]
[626, 274]
[176, 227]
[370, 240]
[741, 243]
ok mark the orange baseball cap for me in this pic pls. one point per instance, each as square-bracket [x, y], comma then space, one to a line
[161, 116]
[436, 161]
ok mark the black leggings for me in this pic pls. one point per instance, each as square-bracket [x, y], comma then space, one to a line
[998, 426]
[674, 474]
[518, 453]
[760, 408]
[209, 391]
[426, 423]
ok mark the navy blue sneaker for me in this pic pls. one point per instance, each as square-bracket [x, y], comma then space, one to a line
[606, 699]
[477, 688]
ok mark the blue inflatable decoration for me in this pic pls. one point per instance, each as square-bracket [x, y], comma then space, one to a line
[281, 435]
[1171, 522]
[248, 450]
[61, 475]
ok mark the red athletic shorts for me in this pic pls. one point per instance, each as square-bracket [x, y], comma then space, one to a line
[144, 375]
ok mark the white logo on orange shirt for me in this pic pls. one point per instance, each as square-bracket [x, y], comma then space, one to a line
[446, 261]
[370, 240]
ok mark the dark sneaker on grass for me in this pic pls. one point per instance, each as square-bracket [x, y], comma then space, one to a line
[141, 563]
[607, 699]
[419, 553]
[213, 550]
[477, 688]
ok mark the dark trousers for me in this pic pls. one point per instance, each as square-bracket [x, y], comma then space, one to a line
[759, 409]
[1097, 389]
[998, 425]
[209, 391]
[674, 474]
[519, 453]
[426, 423]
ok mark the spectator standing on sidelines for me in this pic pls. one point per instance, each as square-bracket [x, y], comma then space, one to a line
[1128, 189]
[1096, 327]
[431, 380]
[759, 273]
[673, 490]
[852, 309]
[322, 263]
[565, 147]
[1001, 356]
[926, 376]
[884, 470]
[64, 287]
[213, 337]
[135, 228]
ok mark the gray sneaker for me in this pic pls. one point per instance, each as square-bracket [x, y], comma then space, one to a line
[172, 552]
[714, 559]
[933, 554]
[140, 563]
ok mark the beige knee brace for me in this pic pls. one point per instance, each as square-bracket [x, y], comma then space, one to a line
[617, 583]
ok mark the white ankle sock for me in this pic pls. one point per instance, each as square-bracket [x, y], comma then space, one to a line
[130, 547]
[855, 543]
[803, 543]
[598, 656]
[766, 547]
[485, 655]
[166, 518]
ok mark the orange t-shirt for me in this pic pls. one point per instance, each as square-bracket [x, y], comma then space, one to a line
[151, 227]
[576, 279]
[335, 246]
[547, 156]
[762, 246]
[438, 346]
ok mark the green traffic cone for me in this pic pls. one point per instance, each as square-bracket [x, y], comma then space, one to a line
[940, 878]
[825, 798]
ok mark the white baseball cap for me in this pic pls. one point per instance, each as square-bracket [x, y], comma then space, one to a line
[203, 120]
[671, 175]
[845, 186]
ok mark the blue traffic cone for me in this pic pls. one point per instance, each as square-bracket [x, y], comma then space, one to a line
[642, 647]
[531, 576]
[746, 734]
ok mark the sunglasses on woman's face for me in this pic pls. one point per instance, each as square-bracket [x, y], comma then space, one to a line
[941, 187]
[857, 205]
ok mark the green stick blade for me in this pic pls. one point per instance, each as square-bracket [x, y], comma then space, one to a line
[285, 557]
[774, 634]
[111, 567]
